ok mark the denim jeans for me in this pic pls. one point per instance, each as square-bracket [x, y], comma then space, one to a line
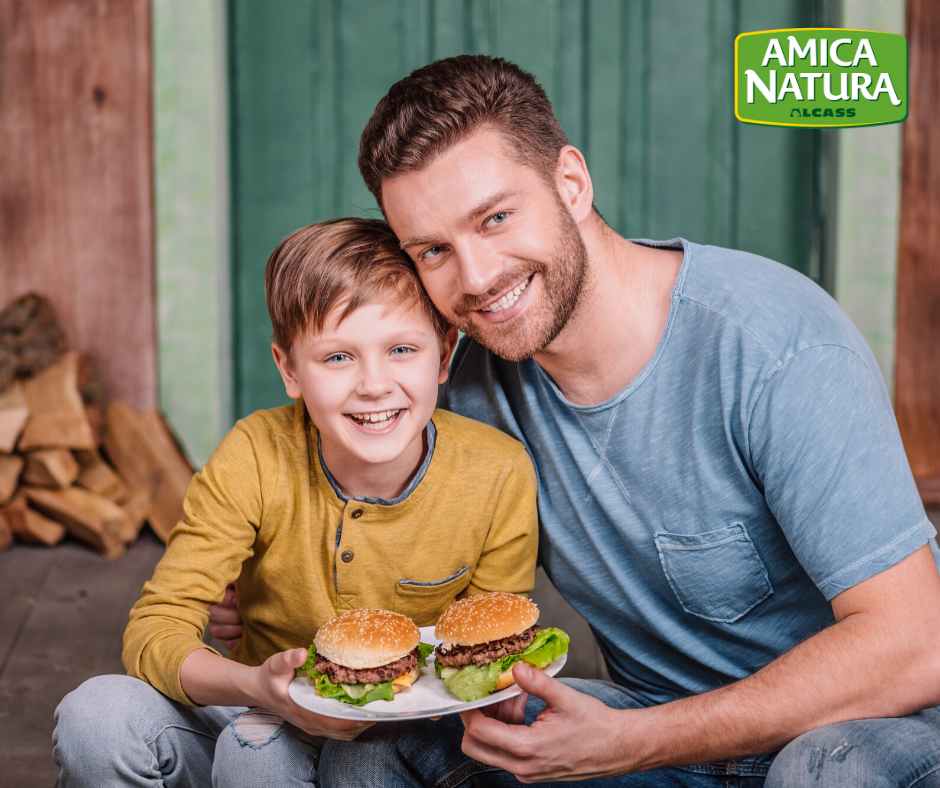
[878, 753]
[120, 731]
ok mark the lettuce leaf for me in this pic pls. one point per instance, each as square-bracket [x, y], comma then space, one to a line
[338, 692]
[424, 651]
[355, 694]
[475, 681]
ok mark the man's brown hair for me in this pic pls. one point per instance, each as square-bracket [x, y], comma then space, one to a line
[325, 264]
[440, 104]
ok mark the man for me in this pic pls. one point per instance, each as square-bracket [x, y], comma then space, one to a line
[723, 491]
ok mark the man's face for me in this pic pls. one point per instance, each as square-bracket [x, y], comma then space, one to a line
[495, 247]
[369, 382]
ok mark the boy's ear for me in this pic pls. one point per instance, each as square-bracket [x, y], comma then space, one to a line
[447, 350]
[291, 385]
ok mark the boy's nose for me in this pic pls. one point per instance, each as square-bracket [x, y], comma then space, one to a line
[375, 382]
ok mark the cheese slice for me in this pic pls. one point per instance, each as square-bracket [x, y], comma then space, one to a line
[404, 680]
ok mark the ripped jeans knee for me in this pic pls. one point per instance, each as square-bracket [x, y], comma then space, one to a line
[892, 752]
[261, 748]
[256, 728]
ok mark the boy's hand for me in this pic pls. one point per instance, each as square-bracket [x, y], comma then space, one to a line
[225, 622]
[273, 678]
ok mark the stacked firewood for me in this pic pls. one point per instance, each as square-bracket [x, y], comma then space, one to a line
[68, 464]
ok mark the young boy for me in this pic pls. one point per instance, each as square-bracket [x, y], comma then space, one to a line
[360, 495]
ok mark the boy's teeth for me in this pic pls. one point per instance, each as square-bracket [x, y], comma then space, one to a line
[373, 418]
[507, 300]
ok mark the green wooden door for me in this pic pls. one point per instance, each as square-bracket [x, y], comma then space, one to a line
[644, 88]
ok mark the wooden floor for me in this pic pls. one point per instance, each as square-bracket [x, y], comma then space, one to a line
[62, 615]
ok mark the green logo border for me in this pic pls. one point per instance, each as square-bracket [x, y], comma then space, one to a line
[907, 65]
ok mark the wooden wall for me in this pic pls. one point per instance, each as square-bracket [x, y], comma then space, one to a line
[75, 177]
[917, 396]
[643, 88]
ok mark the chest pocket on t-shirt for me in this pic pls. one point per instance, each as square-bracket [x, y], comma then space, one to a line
[424, 601]
[716, 575]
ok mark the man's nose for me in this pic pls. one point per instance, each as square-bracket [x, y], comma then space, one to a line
[480, 267]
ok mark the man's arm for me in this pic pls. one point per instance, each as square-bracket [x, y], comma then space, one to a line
[880, 659]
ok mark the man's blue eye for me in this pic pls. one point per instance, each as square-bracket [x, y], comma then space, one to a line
[499, 218]
[434, 251]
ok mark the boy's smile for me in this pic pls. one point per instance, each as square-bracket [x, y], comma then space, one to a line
[370, 384]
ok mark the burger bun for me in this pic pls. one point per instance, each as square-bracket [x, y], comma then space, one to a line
[485, 617]
[363, 639]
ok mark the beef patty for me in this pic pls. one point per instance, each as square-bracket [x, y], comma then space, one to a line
[341, 675]
[484, 653]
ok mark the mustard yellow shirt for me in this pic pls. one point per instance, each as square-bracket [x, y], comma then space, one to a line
[263, 514]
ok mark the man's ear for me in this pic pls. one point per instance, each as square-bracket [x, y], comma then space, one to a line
[284, 366]
[573, 182]
[447, 350]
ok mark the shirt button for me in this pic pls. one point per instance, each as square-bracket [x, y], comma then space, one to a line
[356, 514]
[347, 556]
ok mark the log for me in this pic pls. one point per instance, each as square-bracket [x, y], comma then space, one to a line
[30, 331]
[168, 442]
[57, 417]
[13, 415]
[96, 475]
[6, 534]
[136, 448]
[28, 525]
[51, 468]
[87, 516]
[137, 507]
[11, 466]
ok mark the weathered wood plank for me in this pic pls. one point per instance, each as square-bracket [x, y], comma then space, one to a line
[76, 205]
[917, 382]
[74, 633]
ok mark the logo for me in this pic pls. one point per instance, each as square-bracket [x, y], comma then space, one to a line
[820, 77]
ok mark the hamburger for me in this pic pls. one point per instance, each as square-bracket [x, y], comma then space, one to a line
[484, 636]
[365, 655]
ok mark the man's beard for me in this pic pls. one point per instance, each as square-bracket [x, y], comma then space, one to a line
[563, 279]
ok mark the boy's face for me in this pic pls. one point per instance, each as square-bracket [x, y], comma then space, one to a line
[370, 381]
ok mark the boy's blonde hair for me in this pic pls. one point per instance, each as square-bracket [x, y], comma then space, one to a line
[319, 266]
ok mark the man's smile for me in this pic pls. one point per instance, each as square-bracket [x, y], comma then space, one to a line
[507, 299]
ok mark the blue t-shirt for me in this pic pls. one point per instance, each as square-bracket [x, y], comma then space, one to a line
[702, 518]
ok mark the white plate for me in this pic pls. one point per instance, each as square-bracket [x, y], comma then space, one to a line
[427, 697]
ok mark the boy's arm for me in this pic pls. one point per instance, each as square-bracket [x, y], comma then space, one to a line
[205, 552]
[211, 680]
[507, 562]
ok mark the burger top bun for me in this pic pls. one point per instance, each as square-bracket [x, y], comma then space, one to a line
[485, 617]
[367, 638]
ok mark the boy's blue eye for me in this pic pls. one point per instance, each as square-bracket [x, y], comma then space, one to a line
[402, 350]
[338, 357]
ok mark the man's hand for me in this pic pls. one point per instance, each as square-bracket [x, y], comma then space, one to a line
[225, 622]
[575, 737]
[212, 680]
[880, 659]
